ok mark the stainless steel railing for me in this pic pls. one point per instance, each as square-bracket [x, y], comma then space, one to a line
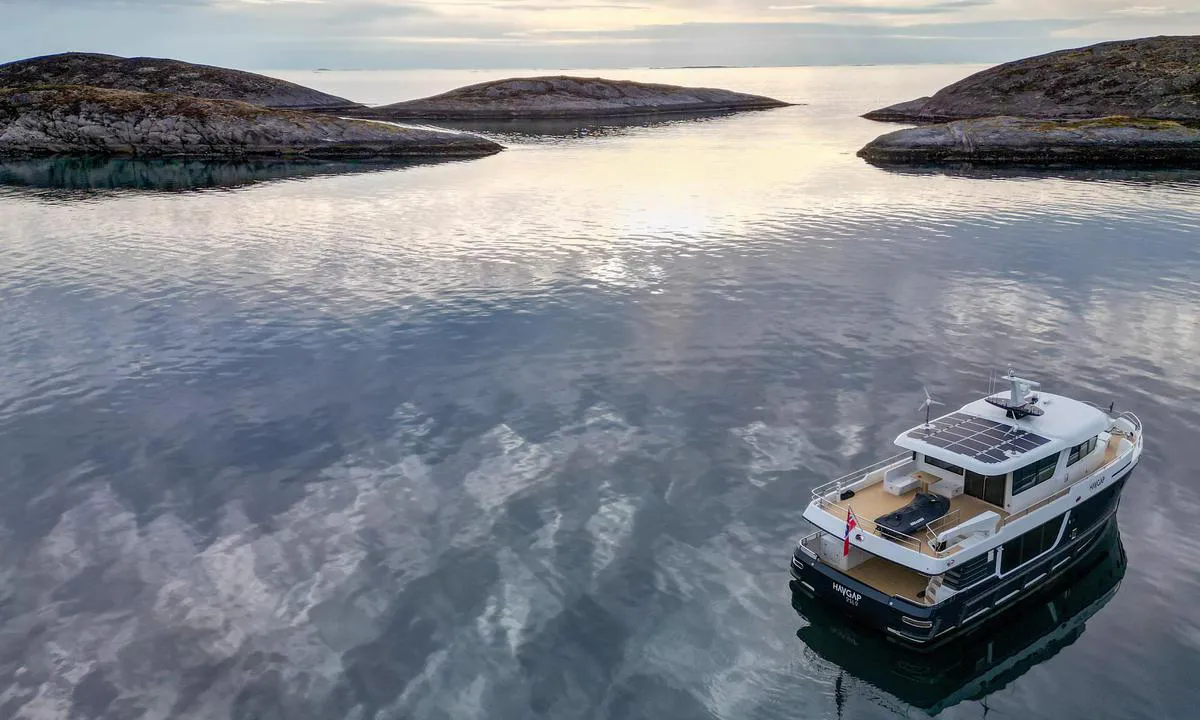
[850, 478]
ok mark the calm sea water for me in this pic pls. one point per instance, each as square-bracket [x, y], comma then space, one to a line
[530, 436]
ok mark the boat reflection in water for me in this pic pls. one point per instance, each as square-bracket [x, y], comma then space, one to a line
[978, 664]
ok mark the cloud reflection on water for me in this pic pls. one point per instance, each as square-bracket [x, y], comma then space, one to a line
[531, 435]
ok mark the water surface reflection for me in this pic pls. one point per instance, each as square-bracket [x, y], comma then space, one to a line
[93, 176]
[531, 436]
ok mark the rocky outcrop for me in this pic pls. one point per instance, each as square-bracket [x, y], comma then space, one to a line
[76, 120]
[1155, 77]
[162, 75]
[569, 97]
[900, 112]
[1111, 141]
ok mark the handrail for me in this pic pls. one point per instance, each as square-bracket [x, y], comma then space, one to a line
[1061, 493]
[1137, 421]
[869, 525]
[803, 544]
[1041, 503]
[823, 490]
[942, 523]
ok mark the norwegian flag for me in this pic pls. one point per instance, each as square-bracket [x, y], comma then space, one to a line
[851, 523]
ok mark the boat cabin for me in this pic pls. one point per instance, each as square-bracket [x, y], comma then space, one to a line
[1007, 463]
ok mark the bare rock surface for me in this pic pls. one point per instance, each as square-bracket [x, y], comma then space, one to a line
[163, 75]
[900, 112]
[1021, 141]
[1156, 77]
[570, 97]
[79, 120]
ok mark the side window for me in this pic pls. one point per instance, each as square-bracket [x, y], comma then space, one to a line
[1033, 543]
[944, 465]
[1034, 474]
[1081, 451]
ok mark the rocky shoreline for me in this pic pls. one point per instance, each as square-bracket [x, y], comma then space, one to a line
[161, 75]
[1113, 141]
[1125, 103]
[1156, 77]
[82, 120]
[91, 104]
[565, 97]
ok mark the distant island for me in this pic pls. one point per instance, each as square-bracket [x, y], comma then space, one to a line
[562, 96]
[1125, 102]
[87, 104]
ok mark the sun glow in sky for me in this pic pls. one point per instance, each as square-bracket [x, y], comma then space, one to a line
[578, 33]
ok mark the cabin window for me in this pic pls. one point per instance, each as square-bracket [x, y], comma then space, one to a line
[1019, 551]
[1081, 451]
[943, 465]
[988, 488]
[1034, 474]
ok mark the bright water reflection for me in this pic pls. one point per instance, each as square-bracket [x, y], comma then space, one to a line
[530, 435]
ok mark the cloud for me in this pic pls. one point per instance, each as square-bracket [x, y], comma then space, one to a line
[893, 9]
[564, 33]
[1151, 11]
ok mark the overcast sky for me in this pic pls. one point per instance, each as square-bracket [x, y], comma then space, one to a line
[344, 34]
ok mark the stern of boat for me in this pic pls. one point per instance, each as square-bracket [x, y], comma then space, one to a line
[873, 590]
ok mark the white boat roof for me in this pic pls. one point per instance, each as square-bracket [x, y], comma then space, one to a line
[981, 438]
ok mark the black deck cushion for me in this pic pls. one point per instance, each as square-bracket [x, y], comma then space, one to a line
[924, 509]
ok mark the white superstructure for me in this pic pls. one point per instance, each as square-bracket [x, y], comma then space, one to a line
[1007, 463]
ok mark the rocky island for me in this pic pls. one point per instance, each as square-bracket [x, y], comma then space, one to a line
[166, 76]
[1156, 77]
[82, 120]
[560, 97]
[1133, 102]
[1118, 141]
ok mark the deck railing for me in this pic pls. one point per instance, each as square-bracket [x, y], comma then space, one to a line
[1137, 422]
[941, 524]
[821, 492]
[828, 496]
[1039, 504]
[1133, 419]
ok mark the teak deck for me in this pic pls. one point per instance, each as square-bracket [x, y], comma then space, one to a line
[872, 502]
[1112, 449]
[890, 578]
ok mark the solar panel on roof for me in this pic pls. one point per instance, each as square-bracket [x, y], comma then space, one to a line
[985, 440]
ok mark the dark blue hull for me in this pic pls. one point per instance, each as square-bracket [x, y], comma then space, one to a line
[928, 626]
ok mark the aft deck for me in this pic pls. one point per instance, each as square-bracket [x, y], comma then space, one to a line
[892, 579]
[874, 501]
